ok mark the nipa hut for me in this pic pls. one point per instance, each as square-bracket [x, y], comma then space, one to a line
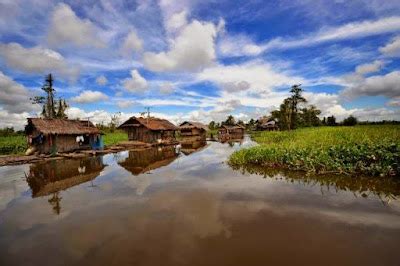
[193, 131]
[231, 132]
[61, 135]
[267, 123]
[150, 130]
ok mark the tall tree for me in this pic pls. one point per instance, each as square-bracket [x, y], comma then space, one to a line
[295, 100]
[49, 109]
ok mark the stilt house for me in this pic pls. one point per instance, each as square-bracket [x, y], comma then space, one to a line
[231, 131]
[150, 130]
[193, 131]
[61, 135]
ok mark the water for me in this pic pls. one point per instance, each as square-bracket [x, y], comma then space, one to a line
[188, 207]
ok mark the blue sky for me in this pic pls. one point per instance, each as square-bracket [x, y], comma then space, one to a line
[200, 60]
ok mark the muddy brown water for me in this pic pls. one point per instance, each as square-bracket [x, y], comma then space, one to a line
[188, 207]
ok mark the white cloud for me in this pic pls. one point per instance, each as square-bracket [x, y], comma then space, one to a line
[391, 49]
[125, 104]
[176, 21]
[394, 102]
[67, 28]
[132, 43]
[136, 83]
[14, 97]
[387, 85]
[328, 34]
[36, 60]
[192, 50]
[89, 96]
[238, 45]
[256, 76]
[167, 88]
[101, 80]
[370, 67]
[8, 119]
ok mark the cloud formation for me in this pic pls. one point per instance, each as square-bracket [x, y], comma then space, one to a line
[37, 60]
[136, 83]
[391, 49]
[67, 28]
[192, 50]
[89, 96]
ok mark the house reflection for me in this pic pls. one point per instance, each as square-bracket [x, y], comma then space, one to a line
[49, 178]
[189, 147]
[142, 161]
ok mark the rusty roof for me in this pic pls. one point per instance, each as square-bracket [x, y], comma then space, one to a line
[190, 124]
[62, 126]
[151, 123]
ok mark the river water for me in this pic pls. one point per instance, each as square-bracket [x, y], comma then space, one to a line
[186, 206]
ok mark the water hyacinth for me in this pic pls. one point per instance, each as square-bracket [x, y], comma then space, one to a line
[368, 150]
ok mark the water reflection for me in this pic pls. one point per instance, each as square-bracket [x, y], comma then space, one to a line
[385, 188]
[190, 147]
[143, 161]
[193, 210]
[49, 178]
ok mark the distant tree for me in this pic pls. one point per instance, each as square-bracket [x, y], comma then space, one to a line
[323, 122]
[350, 121]
[283, 115]
[251, 124]
[49, 109]
[230, 121]
[115, 121]
[240, 122]
[211, 125]
[308, 117]
[294, 101]
[331, 121]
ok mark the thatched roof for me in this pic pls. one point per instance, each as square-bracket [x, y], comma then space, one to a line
[233, 127]
[61, 126]
[151, 123]
[190, 125]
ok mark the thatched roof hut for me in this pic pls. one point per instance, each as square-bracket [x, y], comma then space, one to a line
[226, 132]
[150, 130]
[267, 123]
[193, 131]
[60, 135]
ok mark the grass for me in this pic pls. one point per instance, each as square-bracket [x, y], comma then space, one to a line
[112, 138]
[370, 150]
[15, 144]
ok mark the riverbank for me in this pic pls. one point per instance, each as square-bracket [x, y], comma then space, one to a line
[369, 150]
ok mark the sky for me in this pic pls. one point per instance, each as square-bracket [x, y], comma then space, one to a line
[200, 60]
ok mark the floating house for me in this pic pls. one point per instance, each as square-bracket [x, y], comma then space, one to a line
[193, 131]
[150, 130]
[228, 130]
[267, 124]
[61, 135]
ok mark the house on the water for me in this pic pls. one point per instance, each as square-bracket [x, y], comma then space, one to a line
[231, 132]
[150, 130]
[193, 131]
[267, 124]
[61, 135]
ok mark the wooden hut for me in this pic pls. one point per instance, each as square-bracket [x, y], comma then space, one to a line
[150, 130]
[61, 135]
[267, 123]
[231, 132]
[193, 131]
[143, 161]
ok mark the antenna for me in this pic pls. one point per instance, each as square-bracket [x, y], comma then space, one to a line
[148, 111]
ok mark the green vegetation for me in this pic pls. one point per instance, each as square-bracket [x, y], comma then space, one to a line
[12, 144]
[369, 150]
[113, 137]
